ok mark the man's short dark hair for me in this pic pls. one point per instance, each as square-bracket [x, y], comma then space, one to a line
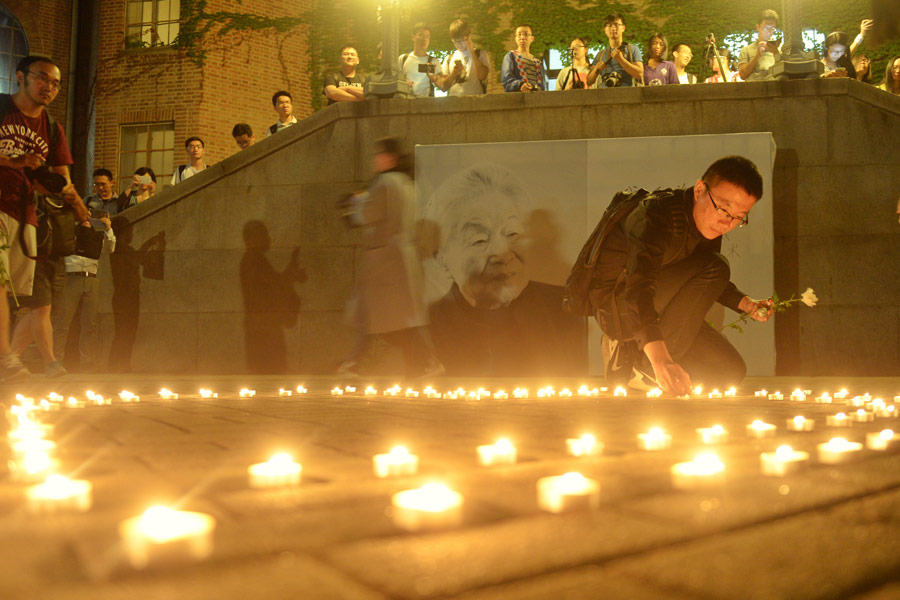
[612, 18]
[419, 27]
[459, 29]
[29, 60]
[146, 171]
[241, 129]
[351, 46]
[679, 45]
[103, 173]
[738, 171]
[767, 15]
[279, 94]
[530, 28]
[193, 138]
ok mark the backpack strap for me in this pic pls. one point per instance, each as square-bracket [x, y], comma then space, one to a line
[273, 129]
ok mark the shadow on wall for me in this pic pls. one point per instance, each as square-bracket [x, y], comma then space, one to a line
[271, 304]
[126, 265]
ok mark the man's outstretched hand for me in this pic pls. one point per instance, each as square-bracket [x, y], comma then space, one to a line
[669, 374]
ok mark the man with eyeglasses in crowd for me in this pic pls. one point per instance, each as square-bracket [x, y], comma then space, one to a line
[283, 103]
[30, 139]
[620, 64]
[660, 270]
[757, 58]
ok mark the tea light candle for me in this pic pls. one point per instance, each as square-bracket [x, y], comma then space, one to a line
[31, 466]
[432, 506]
[655, 439]
[783, 461]
[393, 391]
[761, 394]
[837, 420]
[586, 392]
[58, 494]
[246, 393]
[54, 397]
[776, 396]
[502, 452]
[798, 396]
[888, 411]
[586, 445]
[24, 446]
[715, 394]
[370, 391]
[570, 491]
[565, 393]
[126, 396]
[411, 393]
[280, 470]
[337, 391]
[705, 470]
[483, 393]
[47, 406]
[731, 392]
[432, 393]
[396, 463]
[301, 390]
[166, 394]
[654, 392]
[285, 393]
[837, 450]
[349, 389]
[620, 392]
[501, 395]
[697, 391]
[73, 402]
[520, 393]
[546, 392]
[450, 395]
[880, 440]
[800, 423]
[205, 393]
[856, 401]
[98, 400]
[167, 535]
[825, 398]
[863, 416]
[712, 435]
[757, 429]
[841, 395]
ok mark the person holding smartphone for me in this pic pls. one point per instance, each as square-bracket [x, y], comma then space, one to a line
[757, 58]
[141, 187]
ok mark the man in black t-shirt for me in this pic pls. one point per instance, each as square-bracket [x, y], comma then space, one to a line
[345, 85]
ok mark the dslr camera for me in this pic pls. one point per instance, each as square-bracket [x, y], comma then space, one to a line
[50, 181]
[427, 68]
[612, 79]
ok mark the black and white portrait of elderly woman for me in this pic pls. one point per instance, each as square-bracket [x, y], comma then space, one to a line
[494, 320]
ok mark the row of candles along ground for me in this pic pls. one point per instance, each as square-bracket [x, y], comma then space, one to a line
[163, 533]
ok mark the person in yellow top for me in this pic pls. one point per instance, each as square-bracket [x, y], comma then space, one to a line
[891, 81]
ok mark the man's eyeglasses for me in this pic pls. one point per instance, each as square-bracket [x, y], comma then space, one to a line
[742, 221]
[42, 77]
[615, 25]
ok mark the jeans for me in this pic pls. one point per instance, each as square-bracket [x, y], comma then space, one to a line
[86, 292]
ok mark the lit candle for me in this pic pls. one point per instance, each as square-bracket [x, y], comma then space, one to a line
[761, 394]
[73, 402]
[520, 393]
[565, 393]
[758, 429]
[58, 494]
[620, 392]
[280, 470]
[715, 394]
[825, 398]
[370, 391]
[731, 392]
[875, 404]
[856, 401]
[776, 396]
[655, 439]
[570, 491]
[450, 395]
[432, 393]
[502, 452]
[837, 450]
[285, 393]
[654, 392]
[167, 394]
[432, 506]
[586, 445]
[167, 535]
[800, 423]
[712, 435]
[396, 463]
[350, 389]
[705, 470]
[22, 447]
[783, 461]
[246, 393]
[841, 394]
[301, 390]
[880, 440]
[411, 393]
[483, 393]
[546, 392]
[586, 392]
[863, 416]
[205, 393]
[697, 391]
[54, 397]
[798, 396]
[501, 395]
[888, 411]
[126, 396]
[47, 406]
[32, 466]
[337, 391]
[837, 420]
[393, 390]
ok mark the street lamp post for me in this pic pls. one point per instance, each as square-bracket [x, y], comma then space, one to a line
[795, 62]
[388, 82]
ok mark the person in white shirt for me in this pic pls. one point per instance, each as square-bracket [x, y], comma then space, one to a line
[681, 56]
[421, 70]
[467, 69]
[284, 106]
[196, 150]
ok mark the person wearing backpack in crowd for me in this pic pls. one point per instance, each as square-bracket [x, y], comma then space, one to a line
[30, 139]
[283, 103]
[196, 150]
[620, 64]
[467, 69]
[421, 70]
[657, 272]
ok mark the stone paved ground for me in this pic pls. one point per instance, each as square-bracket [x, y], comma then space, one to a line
[828, 532]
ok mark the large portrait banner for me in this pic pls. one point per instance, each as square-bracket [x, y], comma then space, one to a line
[502, 224]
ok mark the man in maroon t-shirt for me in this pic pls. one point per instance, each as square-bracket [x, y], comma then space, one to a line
[27, 142]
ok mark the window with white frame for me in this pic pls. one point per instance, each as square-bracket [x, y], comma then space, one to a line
[150, 23]
[147, 145]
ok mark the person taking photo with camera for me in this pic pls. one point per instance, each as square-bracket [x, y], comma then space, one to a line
[621, 64]
[574, 77]
[421, 70]
[522, 72]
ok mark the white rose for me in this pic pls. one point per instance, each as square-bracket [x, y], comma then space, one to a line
[762, 311]
[809, 297]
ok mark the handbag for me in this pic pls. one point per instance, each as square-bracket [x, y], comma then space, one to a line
[55, 229]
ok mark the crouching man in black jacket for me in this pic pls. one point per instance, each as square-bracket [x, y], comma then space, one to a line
[658, 272]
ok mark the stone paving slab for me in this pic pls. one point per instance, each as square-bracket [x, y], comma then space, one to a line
[332, 537]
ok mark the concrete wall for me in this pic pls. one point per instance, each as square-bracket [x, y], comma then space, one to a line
[836, 188]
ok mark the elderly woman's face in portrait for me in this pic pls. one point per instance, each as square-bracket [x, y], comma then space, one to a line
[482, 250]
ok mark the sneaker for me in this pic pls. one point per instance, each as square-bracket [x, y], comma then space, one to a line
[55, 369]
[349, 369]
[618, 356]
[12, 369]
[642, 381]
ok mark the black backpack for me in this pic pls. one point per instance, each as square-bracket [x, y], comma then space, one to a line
[577, 295]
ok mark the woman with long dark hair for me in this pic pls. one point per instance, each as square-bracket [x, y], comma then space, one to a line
[891, 81]
[658, 70]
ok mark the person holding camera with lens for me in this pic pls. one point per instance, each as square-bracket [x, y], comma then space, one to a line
[574, 77]
[467, 69]
[522, 72]
[34, 157]
[621, 64]
[421, 70]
